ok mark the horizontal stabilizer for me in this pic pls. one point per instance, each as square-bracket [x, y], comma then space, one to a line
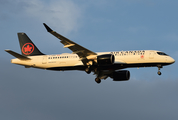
[17, 55]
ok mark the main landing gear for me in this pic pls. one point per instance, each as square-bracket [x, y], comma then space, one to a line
[97, 80]
[159, 67]
[88, 70]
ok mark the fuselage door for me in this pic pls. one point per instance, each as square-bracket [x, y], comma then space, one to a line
[151, 54]
[44, 61]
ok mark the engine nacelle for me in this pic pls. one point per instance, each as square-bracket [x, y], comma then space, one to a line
[107, 59]
[123, 75]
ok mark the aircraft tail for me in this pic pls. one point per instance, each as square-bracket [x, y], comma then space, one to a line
[27, 47]
[17, 55]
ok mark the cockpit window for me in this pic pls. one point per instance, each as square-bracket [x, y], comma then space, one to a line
[161, 53]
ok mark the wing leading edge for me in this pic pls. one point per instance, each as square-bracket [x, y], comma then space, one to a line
[82, 52]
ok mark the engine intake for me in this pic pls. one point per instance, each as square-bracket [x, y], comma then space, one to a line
[121, 75]
[107, 59]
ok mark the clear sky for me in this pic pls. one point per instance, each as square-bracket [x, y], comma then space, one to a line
[99, 25]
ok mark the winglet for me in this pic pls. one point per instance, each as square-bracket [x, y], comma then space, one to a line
[47, 28]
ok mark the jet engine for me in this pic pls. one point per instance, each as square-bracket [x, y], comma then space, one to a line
[107, 59]
[123, 75]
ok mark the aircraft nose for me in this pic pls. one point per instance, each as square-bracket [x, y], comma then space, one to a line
[171, 60]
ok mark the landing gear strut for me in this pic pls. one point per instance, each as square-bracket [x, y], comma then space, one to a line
[159, 67]
[97, 80]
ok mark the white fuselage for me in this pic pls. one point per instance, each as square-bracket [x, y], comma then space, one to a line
[138, 58]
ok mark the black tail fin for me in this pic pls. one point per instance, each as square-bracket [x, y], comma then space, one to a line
[27, 47]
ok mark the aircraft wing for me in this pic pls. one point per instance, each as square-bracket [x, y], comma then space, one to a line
[82, 52]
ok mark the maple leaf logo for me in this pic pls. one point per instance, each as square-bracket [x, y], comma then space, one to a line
[27, 48]
[142, 56]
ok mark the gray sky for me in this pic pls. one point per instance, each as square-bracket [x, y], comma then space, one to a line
[102, 25]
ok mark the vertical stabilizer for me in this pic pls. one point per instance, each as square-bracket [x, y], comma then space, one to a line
[27, 47]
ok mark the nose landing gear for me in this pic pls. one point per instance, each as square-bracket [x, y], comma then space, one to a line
[159, 67]
[159, 73]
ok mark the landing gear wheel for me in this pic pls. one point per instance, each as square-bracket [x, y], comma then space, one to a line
[159, 73]
[97, 80]
[159, 67]
[88, 70]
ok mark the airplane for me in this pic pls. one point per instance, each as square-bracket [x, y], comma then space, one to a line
[102, 64]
